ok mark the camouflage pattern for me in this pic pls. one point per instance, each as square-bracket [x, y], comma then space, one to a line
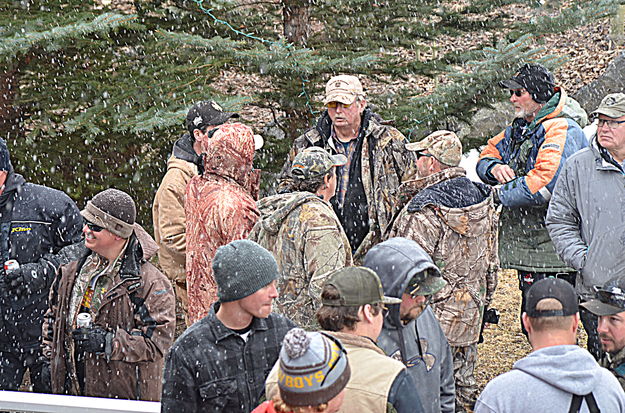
[220, 207]
[464, 359]
[382, 172]
[315, 162]
[463, 244]
[616, 365]
[307, 240]
[444, 145]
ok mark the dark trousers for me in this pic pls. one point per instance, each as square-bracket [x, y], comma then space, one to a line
[527, 279]
[13, 365]
[590, 323]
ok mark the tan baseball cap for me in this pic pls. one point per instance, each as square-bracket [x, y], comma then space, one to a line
[444, 145]
[344, 89]
[613, 106]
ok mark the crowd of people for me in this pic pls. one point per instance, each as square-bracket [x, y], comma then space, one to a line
[362, 285]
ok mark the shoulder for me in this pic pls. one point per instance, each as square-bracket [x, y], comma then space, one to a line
[317, 212]
[46, 194]
[201, 335]
[279, 322]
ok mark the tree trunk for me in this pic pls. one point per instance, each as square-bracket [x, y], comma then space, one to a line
[296, 15]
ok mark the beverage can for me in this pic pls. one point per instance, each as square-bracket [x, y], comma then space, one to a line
[11, 265]
[83, 320]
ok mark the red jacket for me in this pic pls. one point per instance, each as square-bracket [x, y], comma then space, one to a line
[220, 208]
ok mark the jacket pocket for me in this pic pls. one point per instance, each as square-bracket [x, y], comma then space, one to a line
[218, 392]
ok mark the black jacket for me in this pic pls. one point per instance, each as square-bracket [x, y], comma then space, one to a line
[210, 368]
[34, 221]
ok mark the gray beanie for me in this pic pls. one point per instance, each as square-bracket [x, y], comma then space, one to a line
[241, 268]
[313, 368]
[113, 210]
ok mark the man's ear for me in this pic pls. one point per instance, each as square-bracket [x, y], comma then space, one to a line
[367, 313]
[197, 134]
[526, 322]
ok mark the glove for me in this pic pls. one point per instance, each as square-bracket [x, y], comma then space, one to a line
[26, 280]
[92, 339]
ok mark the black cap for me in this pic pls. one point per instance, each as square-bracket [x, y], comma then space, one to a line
[534, 78]
[207, 113]
[551, 288]
[610, 298]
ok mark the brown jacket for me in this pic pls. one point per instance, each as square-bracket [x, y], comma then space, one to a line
[220, 208]
[169, 219]
[139, 308]
[454, 220]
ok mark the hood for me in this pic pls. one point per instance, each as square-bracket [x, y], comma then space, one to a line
[274, 209]
[183, 149]
[566, 367]
[229, 153]
[561, 106]
[396, 261]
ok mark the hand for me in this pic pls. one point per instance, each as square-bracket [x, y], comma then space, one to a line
[503, 173]
[20, 282]
[91, 339]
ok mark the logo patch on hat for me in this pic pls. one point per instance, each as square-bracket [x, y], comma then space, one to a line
[338, 84]
[197, 120]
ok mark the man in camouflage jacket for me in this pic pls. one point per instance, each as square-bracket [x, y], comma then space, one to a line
[454, 220]
[609, 307]
[304, 234]
[377, 161]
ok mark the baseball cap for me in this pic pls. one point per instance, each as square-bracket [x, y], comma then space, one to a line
[357, 286]
[535, 78]
[551, 288]
[207, 113]
[612, 105]
[344, 89]
[610, 299]
[426, 282]
[444, 145]
[315, 162]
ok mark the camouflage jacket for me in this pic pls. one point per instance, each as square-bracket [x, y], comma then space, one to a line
[382, 172]
[306, 238]
[455, 221]
[616, 365]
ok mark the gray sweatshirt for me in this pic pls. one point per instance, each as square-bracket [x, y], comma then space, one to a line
[547, 379]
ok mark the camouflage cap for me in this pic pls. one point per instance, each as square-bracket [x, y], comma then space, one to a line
[427, 282]
[344, 89]
[315, 162]
[444, 145]
[613, 106]
[357, 286]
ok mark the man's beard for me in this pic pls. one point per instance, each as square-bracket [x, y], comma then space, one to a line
[413, 314]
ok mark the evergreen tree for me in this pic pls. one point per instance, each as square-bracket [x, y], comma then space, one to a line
[95, 97]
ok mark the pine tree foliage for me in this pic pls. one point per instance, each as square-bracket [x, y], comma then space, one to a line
[103, 93]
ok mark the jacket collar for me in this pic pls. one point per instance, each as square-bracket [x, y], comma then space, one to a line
[410, 188]
[603, 159]
[356, 341]
[222, 332]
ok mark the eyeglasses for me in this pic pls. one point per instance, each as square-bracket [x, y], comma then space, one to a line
[517, 92]
[611, 295]
[421, 154]
[334, 105]
[612, 124]
[93, 227]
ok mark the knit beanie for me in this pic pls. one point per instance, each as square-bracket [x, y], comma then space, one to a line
[113, 210]
[5, 157]
[241, 268]
[313, 368]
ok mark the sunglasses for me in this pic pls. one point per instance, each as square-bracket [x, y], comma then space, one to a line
[93, 227]
[517, 92]
[612, 124]
[334, 105]
[422, 154]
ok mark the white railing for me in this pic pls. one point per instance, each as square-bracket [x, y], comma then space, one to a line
[14, 401]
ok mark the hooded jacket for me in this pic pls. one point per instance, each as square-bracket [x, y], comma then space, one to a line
[376, 171]
[586, 218]
[220, 208]
[307, 240]
[547, 379]
[34, 221]
[168, 212]
[139, 309]
[454, 221]
[421, 344]
[537, 152]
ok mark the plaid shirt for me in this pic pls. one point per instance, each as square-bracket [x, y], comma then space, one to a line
[210, 368]
[342, 174]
